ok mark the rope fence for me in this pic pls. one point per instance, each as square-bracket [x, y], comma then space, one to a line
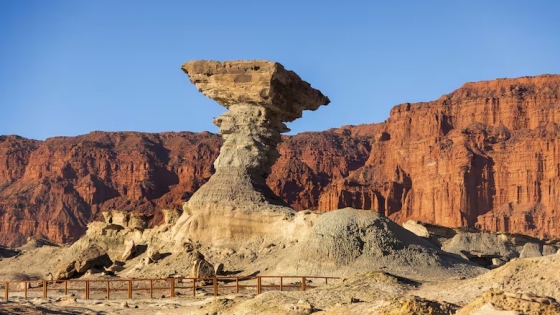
[162, 287]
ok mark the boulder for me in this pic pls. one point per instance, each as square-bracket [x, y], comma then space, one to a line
[548, 250]
[531, 250]
[497, 262]
[170, 216]
[129, 250]
[343, 241]
[153, 254]
[416, 228]
[219, 270]
[139, 221]
[90, 257]
[199, 267]
[202, 269]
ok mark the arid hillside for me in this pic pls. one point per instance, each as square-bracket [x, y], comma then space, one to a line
[486, 155]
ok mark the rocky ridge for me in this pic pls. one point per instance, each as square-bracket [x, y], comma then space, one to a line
[485, 155]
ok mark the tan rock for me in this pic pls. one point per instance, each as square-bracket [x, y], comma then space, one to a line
[129, 250]
[416, 228]
[153, 254]
[531, 250]
[260, 97]
[90, 257]
[257, 83]
[498, 302]
[139, 221]
[200, 268]
[219, 270]
[170, 216]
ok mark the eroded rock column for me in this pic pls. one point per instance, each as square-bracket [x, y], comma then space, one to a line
[260, 97]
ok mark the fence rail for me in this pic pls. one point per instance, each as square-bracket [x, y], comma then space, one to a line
[172, 287]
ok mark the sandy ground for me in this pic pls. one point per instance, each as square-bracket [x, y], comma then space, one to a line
[417, 279]
[365, 293]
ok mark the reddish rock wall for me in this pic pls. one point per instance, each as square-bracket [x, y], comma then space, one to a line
[486, 155]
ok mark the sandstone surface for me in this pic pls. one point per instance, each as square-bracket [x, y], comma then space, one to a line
[485, 155]
[90, 257]
[260, 97]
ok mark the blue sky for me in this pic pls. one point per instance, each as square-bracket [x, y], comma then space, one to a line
[71, 67]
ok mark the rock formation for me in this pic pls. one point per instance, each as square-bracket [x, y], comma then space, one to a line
[488, 249]
[485, 155]
[348, 241]
[91, 257]
[499, 302]
[53, 188]
[260, 97]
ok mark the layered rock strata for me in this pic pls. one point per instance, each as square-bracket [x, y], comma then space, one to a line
[260, 97]
[485, 155]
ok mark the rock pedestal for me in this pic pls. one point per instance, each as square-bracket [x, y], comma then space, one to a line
[260, 96]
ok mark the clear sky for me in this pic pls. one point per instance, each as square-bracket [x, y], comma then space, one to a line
[69, 67]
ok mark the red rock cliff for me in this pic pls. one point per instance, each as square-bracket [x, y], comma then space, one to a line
[486, 155]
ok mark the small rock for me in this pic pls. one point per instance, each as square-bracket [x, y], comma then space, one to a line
[496, 262]
[153, 254]
[129, 250]
[302, 307]
[219, 270]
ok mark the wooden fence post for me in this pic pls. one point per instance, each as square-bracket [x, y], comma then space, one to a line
[172, 287]
[45, 289]
[193, 287]
[258, 285]
[281, 283]
[87, 290]
[215, 284]
[130, 289]
[303, 284]
[108, 290]
[151, 288]
[7, 290]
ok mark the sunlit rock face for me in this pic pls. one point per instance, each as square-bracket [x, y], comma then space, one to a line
[260, 97]
[236, 205]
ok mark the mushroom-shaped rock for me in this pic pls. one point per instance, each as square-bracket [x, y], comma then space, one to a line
[260, 97]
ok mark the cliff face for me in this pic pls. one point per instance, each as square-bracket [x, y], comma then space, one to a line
[486, 155]
[54, 188]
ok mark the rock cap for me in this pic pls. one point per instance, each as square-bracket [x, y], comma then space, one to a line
[255, 82]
